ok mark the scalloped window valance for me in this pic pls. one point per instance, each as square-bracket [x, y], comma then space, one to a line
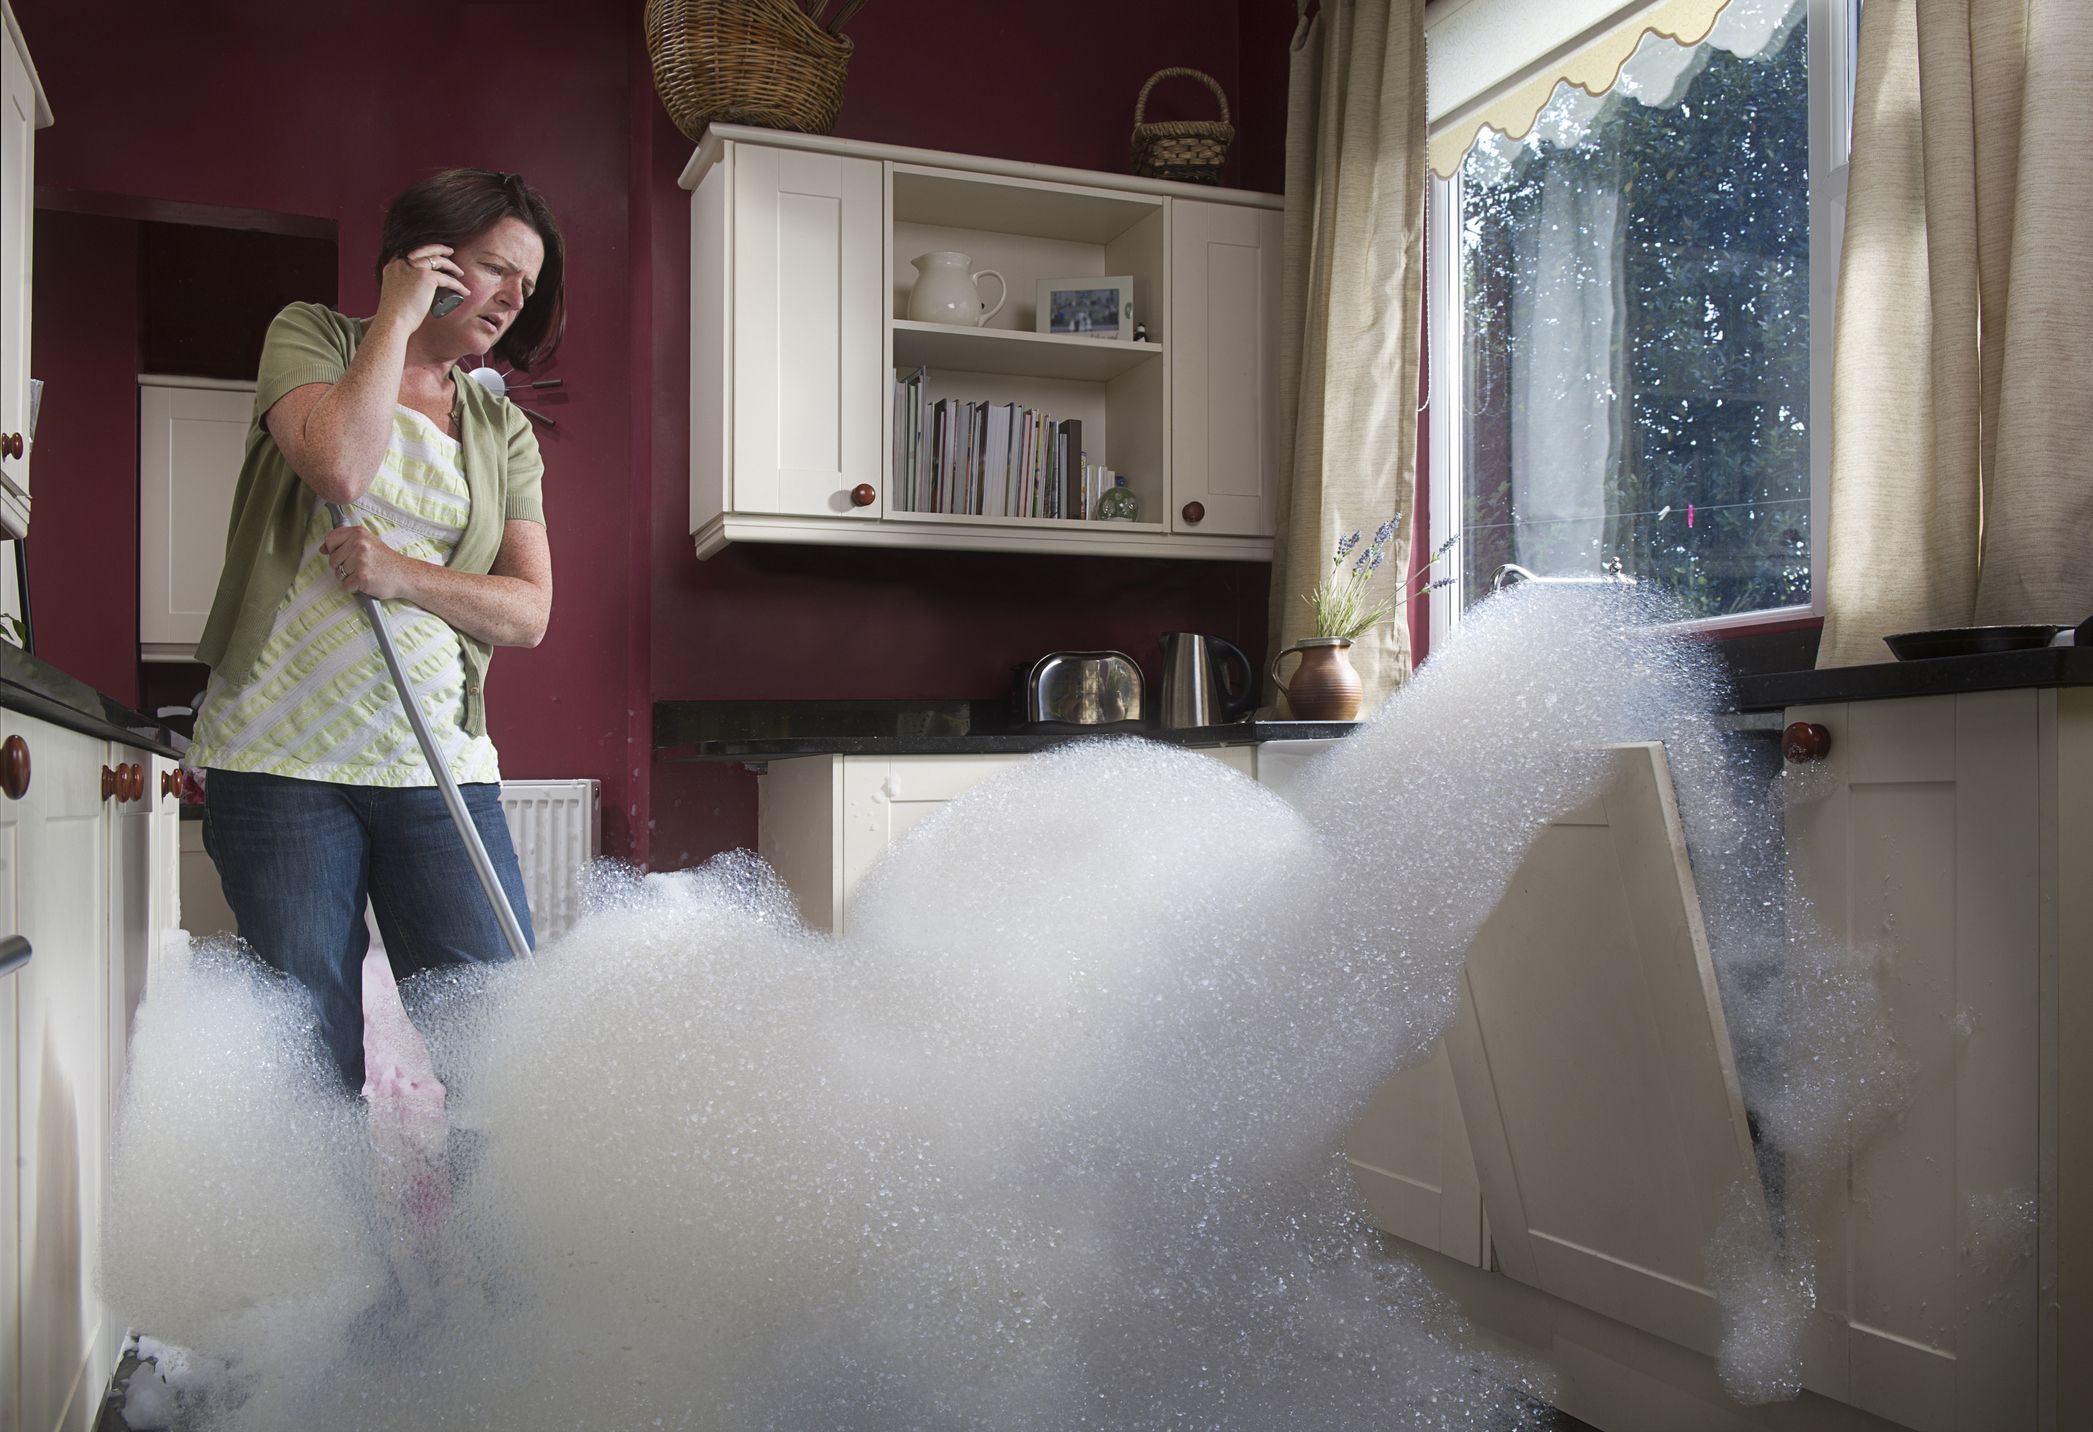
[1497, 64]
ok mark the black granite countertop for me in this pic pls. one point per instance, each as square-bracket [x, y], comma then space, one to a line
[775, 730]
[34, 687]
[1935, 676]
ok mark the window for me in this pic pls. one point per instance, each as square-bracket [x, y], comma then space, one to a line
[1631, 322]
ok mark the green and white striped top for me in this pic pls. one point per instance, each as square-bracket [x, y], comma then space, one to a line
[319, 704]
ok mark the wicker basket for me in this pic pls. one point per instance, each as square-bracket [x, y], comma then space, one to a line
[766, 62]
[1188, 149]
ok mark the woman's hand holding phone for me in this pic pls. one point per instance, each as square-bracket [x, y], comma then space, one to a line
[422, 283]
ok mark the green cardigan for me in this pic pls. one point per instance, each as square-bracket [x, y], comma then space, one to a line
[271, 506]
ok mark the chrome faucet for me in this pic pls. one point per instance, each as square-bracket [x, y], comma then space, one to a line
[1512, 573]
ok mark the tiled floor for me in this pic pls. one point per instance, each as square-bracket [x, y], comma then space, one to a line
[112, 1420]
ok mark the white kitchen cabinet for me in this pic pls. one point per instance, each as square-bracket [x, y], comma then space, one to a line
[88, 880]
[204, 912]
[1407, 1149]
[23, 111]
[192, 435]
[1954, 836]
[1593, 1072]
[823, 822]
[801, 252]
[59, 1049]
[1224, 411]
[1585, 1095]
[808, 345]
[144, 896]
[1411, 1161]
[10, 1127]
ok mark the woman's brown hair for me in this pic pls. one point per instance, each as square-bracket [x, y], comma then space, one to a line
[456, 204]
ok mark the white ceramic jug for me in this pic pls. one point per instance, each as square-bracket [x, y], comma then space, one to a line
[946, 293]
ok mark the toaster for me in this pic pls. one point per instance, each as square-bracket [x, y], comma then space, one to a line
[1080, 688]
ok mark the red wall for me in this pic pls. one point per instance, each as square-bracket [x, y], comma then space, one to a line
[83, 542]
[116, 297]
[326, 111]
[777, 621]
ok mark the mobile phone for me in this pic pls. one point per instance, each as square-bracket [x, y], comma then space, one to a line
[446, 300]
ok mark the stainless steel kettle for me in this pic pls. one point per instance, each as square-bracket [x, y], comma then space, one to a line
[1195, 685]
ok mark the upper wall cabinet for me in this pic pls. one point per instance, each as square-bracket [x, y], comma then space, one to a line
[192, 434]
[805, 346]
[803, 255]
[1224, 388]
[23, 111]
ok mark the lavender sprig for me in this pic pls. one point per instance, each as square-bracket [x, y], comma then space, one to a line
[1340, 599]
[1426, 571]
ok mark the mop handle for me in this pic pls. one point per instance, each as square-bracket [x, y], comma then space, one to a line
[452, 800]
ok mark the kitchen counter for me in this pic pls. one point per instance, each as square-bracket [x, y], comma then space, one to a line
[1935, 676]
[776, 730]
[34, 687]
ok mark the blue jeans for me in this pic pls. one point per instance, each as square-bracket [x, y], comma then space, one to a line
[299, 858]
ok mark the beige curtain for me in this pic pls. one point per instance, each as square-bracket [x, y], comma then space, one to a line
[1352, 296]
[1962, 384]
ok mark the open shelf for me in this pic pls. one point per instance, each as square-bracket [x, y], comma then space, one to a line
[1093, 525]
[1023, 355]
[792, 417]
[999, 205]
[926, 531]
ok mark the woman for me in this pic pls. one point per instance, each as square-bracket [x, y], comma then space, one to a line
[316, 794]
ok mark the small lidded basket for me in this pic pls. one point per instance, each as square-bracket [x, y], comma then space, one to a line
[1189, 150]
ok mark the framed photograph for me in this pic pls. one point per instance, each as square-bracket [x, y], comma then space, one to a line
[1087, 307]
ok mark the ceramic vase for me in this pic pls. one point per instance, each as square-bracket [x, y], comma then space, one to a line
[946, 292]
[1325, 687]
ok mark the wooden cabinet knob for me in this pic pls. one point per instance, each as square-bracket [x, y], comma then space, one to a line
[1805, 741]
[14, 767]
[10, 444]
[1195, 512]
[126, 782]
[863, 495]
[171, 783]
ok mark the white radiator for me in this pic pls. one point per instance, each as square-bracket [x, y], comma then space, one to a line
[558, 830]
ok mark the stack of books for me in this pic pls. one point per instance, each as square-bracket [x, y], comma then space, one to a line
[988, 459]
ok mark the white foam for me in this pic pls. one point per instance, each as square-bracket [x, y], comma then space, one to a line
[1047, 1141]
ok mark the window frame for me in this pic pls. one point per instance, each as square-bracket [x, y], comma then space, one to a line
[1833, 28]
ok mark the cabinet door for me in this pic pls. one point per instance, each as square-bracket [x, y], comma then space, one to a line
[1408, 1149]
[810, 374]
[823, 822]
[799, 833]
[200, 896]
[190, 442]
[1594, 1069]
[1409, 1155]
[21, 112]
[1927, 846]
[11, 852]
[60, 849]
[144, 858]
[885, 798]
[1224, 367]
